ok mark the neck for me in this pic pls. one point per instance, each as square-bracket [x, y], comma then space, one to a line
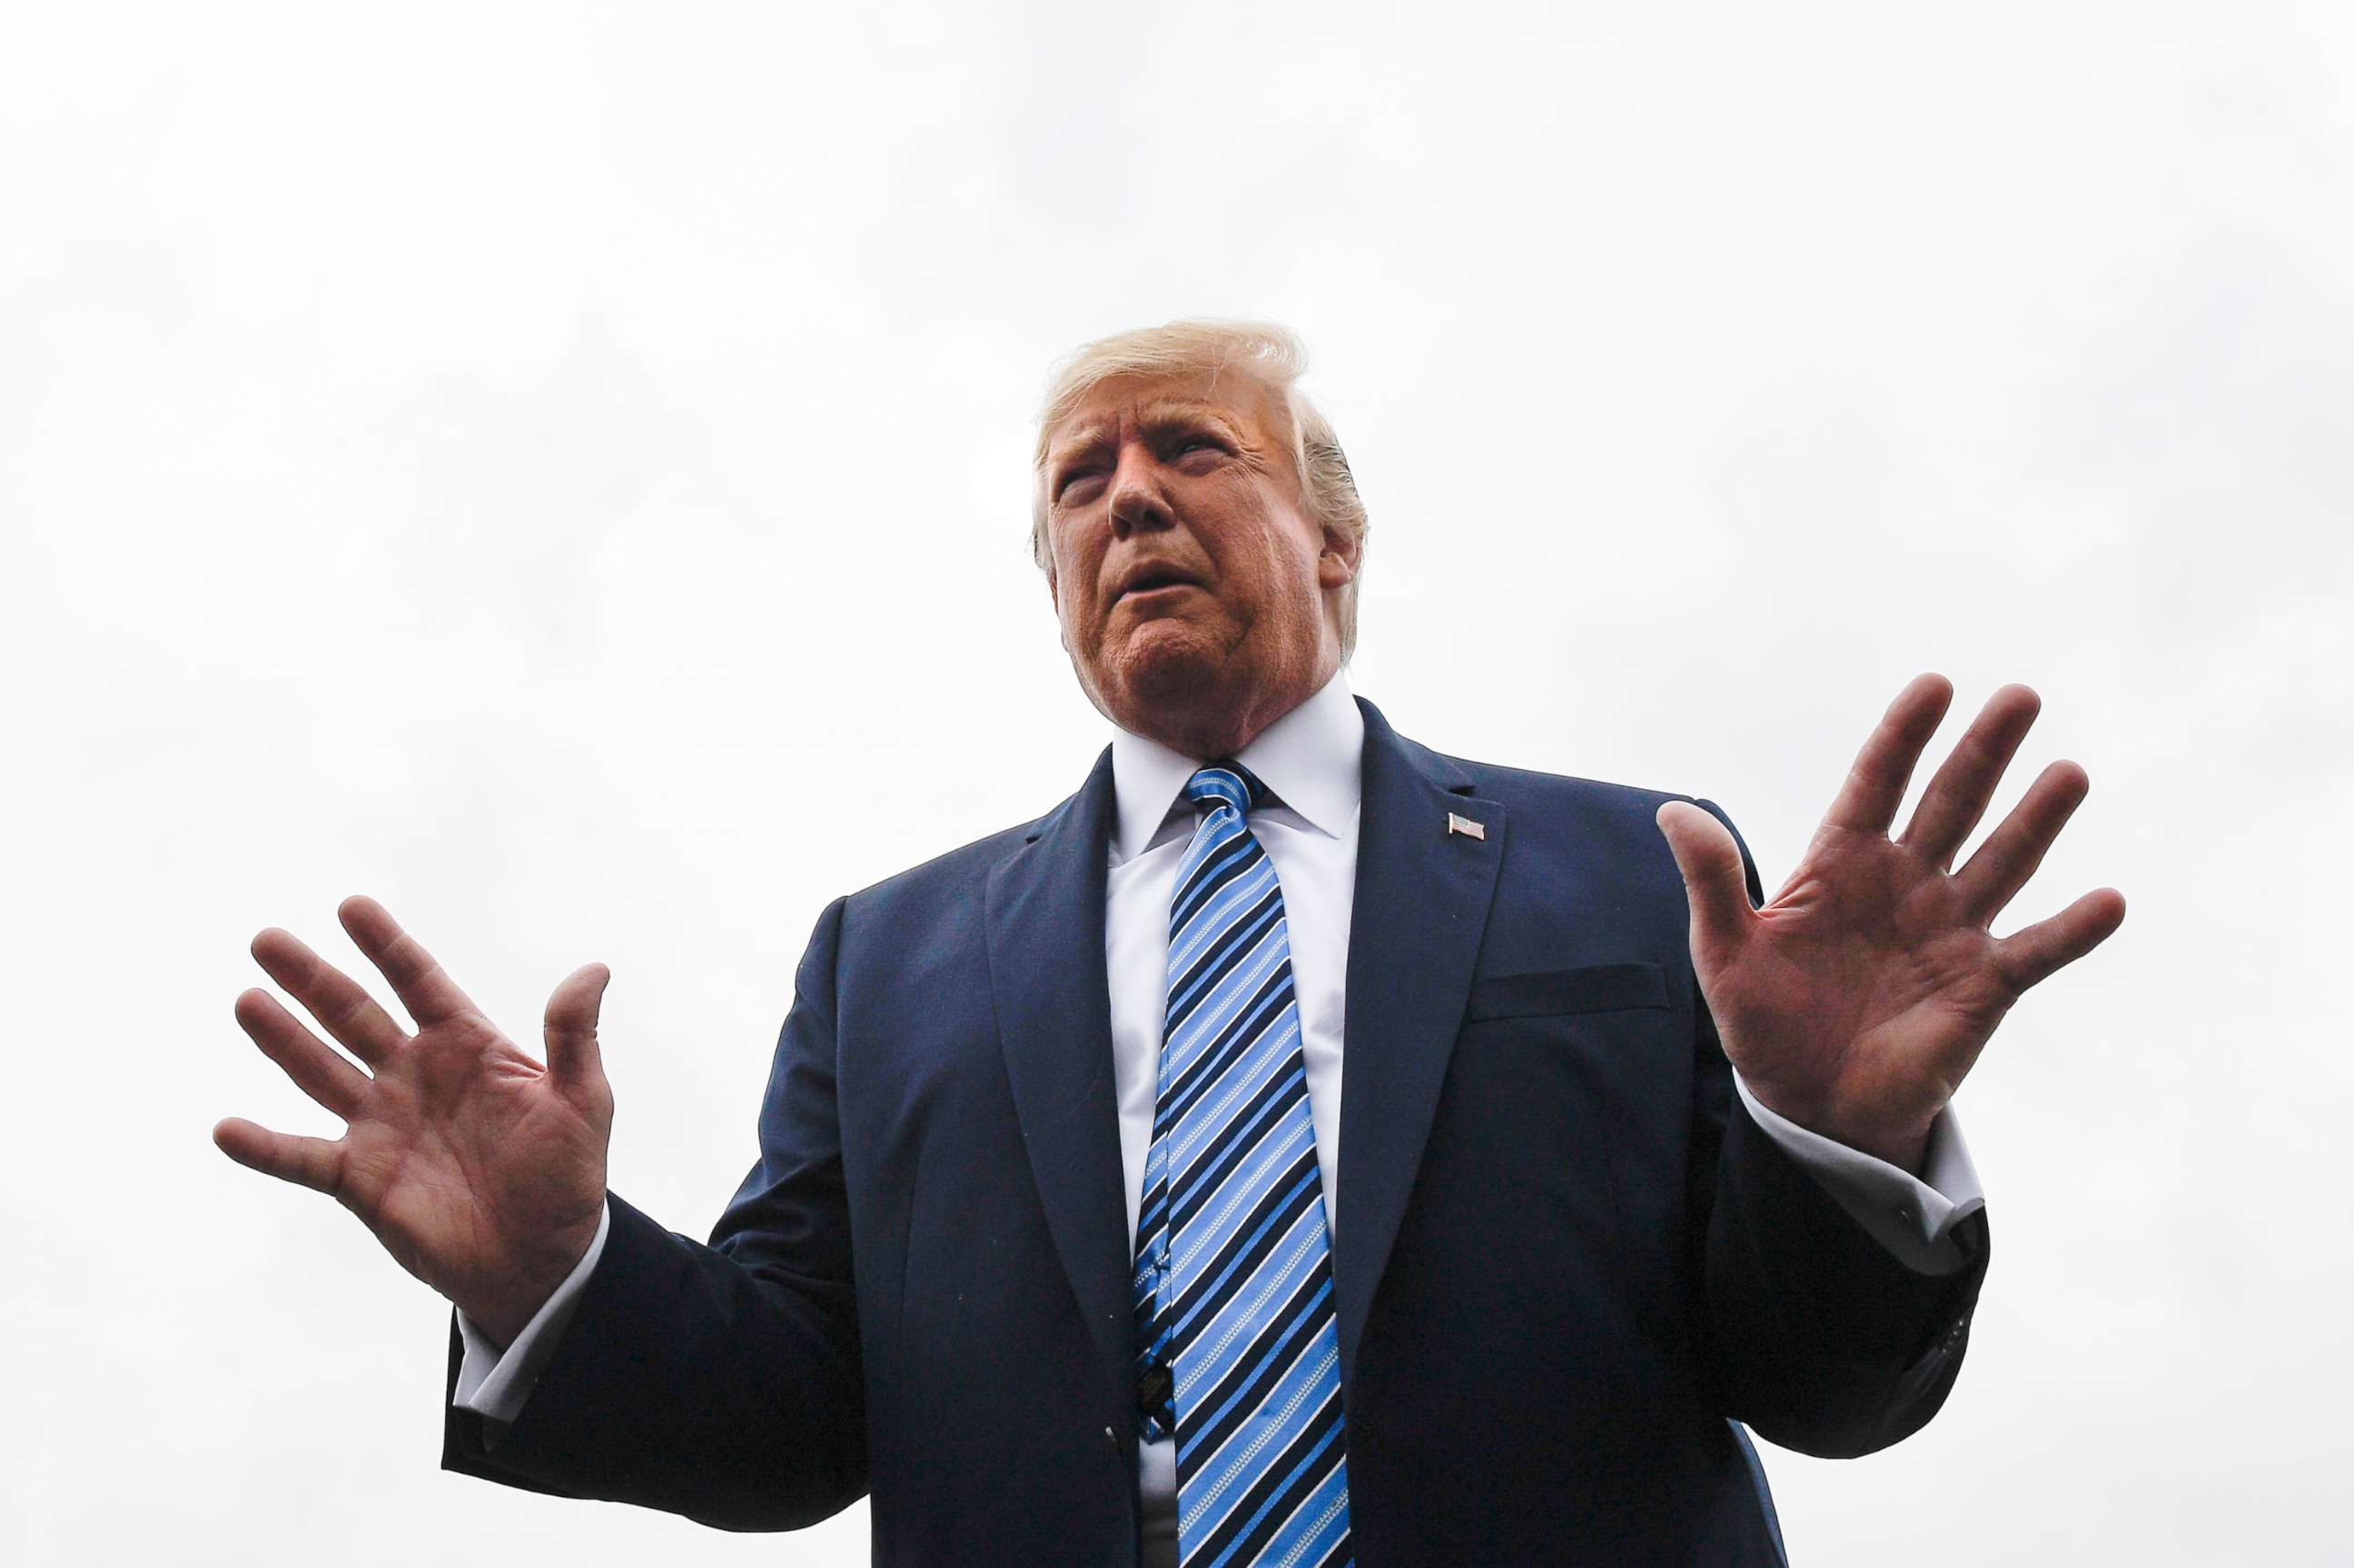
[1222, 724]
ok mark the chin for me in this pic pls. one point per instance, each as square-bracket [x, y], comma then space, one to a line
[1165, 661]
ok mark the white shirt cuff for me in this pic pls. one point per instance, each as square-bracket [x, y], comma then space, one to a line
[494, 1383]
[1913, 1216]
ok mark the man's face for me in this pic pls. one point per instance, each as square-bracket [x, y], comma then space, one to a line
[1187, 576]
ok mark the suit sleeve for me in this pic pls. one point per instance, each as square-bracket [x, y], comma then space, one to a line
[723, 1380]
[1821, 1339]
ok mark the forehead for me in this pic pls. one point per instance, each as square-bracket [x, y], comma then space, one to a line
[1120, 402]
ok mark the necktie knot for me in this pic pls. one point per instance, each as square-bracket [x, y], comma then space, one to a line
[1226, 783]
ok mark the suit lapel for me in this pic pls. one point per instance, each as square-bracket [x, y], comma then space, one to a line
[1046, 929]
[1421, 907]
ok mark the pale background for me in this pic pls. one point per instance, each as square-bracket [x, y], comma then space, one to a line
[563, 472]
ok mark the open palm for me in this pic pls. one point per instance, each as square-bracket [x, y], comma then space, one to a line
[1858, 998]
[481, 1170]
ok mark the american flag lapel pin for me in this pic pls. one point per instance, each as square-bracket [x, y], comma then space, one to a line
[1465, 826]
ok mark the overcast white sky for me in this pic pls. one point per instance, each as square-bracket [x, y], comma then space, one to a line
[562, 471]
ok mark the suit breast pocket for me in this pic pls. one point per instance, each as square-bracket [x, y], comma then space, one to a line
[1594, 988]
[1550, 1143]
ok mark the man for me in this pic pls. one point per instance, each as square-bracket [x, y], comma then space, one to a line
[1064, 1242]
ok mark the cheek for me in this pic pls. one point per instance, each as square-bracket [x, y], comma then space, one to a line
[1255, 549]
[1071, 571]
[1290, 568]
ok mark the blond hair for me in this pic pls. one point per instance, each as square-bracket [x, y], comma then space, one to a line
[1271, 355]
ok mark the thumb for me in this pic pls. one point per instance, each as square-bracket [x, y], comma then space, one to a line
[1710, 860]
[572, 1057]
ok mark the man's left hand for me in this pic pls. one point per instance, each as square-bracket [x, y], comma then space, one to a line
[1857, 999]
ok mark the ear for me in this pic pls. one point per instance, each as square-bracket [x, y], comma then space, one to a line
[1337, 564]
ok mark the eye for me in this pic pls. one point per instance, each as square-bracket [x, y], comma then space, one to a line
[1071, 481]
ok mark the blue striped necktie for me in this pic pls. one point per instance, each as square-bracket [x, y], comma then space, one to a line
[1238, 1355]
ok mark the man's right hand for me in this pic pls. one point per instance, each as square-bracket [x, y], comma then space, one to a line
[481, 1172]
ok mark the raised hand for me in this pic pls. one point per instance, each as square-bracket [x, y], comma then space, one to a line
[1855, 1001]
[481, 1171]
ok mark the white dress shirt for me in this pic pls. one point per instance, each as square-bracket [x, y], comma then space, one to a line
[1311, 761]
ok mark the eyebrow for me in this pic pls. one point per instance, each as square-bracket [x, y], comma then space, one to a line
[1159, 415]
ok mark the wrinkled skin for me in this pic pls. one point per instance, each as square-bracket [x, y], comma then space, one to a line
[1193, 478]
[481, 1171]
[1856, 1001]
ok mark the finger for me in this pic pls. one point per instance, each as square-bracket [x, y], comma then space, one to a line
[1709, 860]
[2032, 953]
[423, 986]
[316, 1070]
[312, 1162]
[1993, 877]
[1958, 792]
[573, 1059]
[340, 1003]
[1875, 784]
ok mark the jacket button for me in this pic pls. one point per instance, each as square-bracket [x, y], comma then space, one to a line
[1113, 1438]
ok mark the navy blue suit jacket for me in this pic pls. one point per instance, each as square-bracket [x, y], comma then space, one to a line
[1566, 1257]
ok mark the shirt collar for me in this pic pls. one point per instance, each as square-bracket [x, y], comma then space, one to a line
[1312, 759]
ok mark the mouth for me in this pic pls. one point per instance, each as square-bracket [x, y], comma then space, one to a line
[1155, 583]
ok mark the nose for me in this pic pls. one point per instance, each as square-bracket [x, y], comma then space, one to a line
[1136, 501]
